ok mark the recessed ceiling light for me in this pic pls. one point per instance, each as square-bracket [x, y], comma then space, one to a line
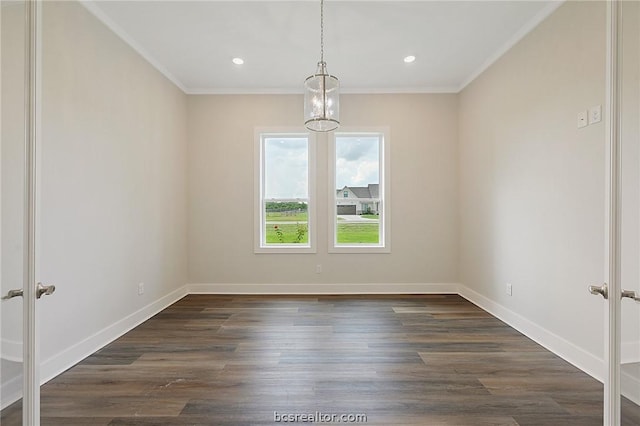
[238, 61]
[409, 59]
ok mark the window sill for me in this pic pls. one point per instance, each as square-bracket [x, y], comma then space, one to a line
[289, 249]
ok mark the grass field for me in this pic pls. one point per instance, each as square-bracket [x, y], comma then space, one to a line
[353, 233]
[348, 233]
[289, 233]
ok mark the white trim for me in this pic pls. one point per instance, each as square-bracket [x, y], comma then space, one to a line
[117, 30]
[260, 133]
[522, 32]
[76, 353]
[613, 308]
[30, 348]
[630, 352]
[384, 189]
[630, 386]
[11, 350]
[328, 288]
[95, 10]
[1, 239]
[62, 361]
[343, 91]
[568, 351]
[11, 391]
[585, 361]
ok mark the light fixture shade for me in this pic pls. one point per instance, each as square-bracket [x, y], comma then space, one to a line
[321, 101]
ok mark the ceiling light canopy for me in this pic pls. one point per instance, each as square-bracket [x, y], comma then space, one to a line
[238, 61]
[321, 93]
[409, 59]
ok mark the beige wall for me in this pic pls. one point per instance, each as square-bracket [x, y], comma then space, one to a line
[113, 179]
[532, 185]
[423, 141]
[489, 186]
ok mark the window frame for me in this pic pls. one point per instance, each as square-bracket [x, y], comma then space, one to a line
[260, 246]
[385, 193]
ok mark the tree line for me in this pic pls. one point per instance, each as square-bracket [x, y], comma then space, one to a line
[285, 206]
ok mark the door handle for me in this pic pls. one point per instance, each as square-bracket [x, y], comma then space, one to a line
[44, 290]
[631, 295]
[602, 290]
[12, 293]
[41, 290]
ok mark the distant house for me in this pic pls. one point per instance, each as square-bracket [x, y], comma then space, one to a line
[358, 199]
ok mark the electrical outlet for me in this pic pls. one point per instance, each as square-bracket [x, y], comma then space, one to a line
[140, 289]
[318, 269]
[509, 289]
[583, 120]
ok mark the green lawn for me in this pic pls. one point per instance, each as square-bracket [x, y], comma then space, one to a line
[370, 216]
[348, 233]
[289, 233]
[353, 233]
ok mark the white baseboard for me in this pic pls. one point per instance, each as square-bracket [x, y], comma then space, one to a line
[364, 288]
[630, 352]
[11, 389]
[60, 362]
[57, 364]
[11, 350]
[630, 386]
[566, 350]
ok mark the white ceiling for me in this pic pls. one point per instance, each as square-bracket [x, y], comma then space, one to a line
[193, 42]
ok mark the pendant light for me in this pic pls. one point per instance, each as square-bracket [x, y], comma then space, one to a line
[321, 93]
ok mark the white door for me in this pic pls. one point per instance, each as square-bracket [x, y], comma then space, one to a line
[629, 116]
[19, 381]
[622, 291]
[13, 199]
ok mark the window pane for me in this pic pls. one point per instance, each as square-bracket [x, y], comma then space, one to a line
[358, 205]
[286, 164]
[286, 191]
[286, 222]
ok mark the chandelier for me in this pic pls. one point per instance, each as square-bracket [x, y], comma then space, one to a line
[321, 93]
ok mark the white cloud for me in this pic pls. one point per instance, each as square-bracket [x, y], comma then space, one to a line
[287, 165]
[357, 161]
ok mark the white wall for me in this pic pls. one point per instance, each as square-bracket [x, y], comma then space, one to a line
[490, 186]
[532, 185]
[12, 193]
[113, 182]
[423, 138]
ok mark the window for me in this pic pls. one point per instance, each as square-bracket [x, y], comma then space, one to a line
[359, 174]
[284, 209]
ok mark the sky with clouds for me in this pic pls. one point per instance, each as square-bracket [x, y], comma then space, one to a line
[286, 167]
[286, 164]
[357, 161]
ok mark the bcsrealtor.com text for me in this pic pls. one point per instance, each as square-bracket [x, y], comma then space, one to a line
[319, 417]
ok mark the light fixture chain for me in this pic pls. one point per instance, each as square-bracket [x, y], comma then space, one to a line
[322, 31]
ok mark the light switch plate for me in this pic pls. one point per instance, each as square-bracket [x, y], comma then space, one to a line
[595, 114]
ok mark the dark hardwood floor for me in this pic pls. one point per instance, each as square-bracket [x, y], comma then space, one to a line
[400, 360]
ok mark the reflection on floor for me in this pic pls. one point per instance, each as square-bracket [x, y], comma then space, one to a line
[249, 360]
[630, 384]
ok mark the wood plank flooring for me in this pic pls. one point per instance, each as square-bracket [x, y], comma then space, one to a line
[400, 360]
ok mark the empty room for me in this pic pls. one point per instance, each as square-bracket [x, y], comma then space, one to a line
[320, 211]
